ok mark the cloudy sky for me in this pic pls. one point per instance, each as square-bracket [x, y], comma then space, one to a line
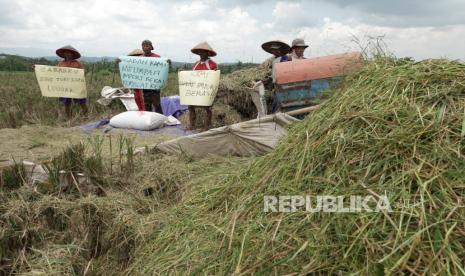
[236, 28]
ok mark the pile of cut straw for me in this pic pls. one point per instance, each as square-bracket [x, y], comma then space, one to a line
[397, 130]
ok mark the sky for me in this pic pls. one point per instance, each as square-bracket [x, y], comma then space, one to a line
[235, 29]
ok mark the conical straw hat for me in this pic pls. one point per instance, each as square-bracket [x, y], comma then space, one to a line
[68, 48]
[136, 52]
[203, 46]
[276, 45]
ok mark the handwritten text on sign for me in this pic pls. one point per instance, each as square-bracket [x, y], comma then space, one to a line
[143, 72]
[61, 81]
[198, 87]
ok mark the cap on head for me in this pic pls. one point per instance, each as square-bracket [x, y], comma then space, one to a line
[298, 42]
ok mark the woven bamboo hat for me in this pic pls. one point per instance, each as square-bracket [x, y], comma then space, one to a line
[68, 48]
[136, 52]
[204, 46]
[276, 45]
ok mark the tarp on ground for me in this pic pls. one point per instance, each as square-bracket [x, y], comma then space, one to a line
[250, 138]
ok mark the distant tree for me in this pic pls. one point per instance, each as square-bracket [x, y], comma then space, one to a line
[19, 63]
[239, 65]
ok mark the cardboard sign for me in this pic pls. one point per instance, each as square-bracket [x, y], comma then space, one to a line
[143, 72]
[61, 81]
[198, 87]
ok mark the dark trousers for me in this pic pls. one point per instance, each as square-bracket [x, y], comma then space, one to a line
[152, 97]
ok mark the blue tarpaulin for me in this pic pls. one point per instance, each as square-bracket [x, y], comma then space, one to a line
[177, 130]
[171, 106]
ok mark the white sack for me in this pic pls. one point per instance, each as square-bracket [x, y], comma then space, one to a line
[140, 120]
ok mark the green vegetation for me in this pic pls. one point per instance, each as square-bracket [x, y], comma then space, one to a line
[14, 63]
[22, 103]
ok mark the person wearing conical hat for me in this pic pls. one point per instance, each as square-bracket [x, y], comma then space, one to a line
[298, 49]
[70, 56]
[280, 51]
[205, 51]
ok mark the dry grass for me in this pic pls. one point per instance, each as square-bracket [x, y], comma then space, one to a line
[64, 230]
[38, 142]
[397, 130]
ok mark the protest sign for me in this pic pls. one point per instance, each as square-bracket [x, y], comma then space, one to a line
[61, 81]
[198, 87]
[143, 72]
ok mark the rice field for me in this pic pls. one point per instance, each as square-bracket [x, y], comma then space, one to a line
[22, 103]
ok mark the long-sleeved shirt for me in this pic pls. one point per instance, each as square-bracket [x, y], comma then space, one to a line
[71, 64]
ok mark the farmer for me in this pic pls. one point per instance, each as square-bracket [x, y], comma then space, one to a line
[279, 50]
[298, 49]
[70, 56]
[138, 96]
[151, 97]
[205, 51]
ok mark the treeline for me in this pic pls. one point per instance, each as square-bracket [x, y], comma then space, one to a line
[103, 67]
[225, 68]
[19, 63]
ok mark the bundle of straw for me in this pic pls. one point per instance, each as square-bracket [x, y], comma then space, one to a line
[396, 130]
[234, 88]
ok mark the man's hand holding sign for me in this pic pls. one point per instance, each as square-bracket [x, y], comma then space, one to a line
[65, 81]
[143, 72]
[148, 72]
[198, 88]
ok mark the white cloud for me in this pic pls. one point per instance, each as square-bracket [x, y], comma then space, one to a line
[402, 13]
[236, 31]
[287, 15]
[107, 27]
[418, 42]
